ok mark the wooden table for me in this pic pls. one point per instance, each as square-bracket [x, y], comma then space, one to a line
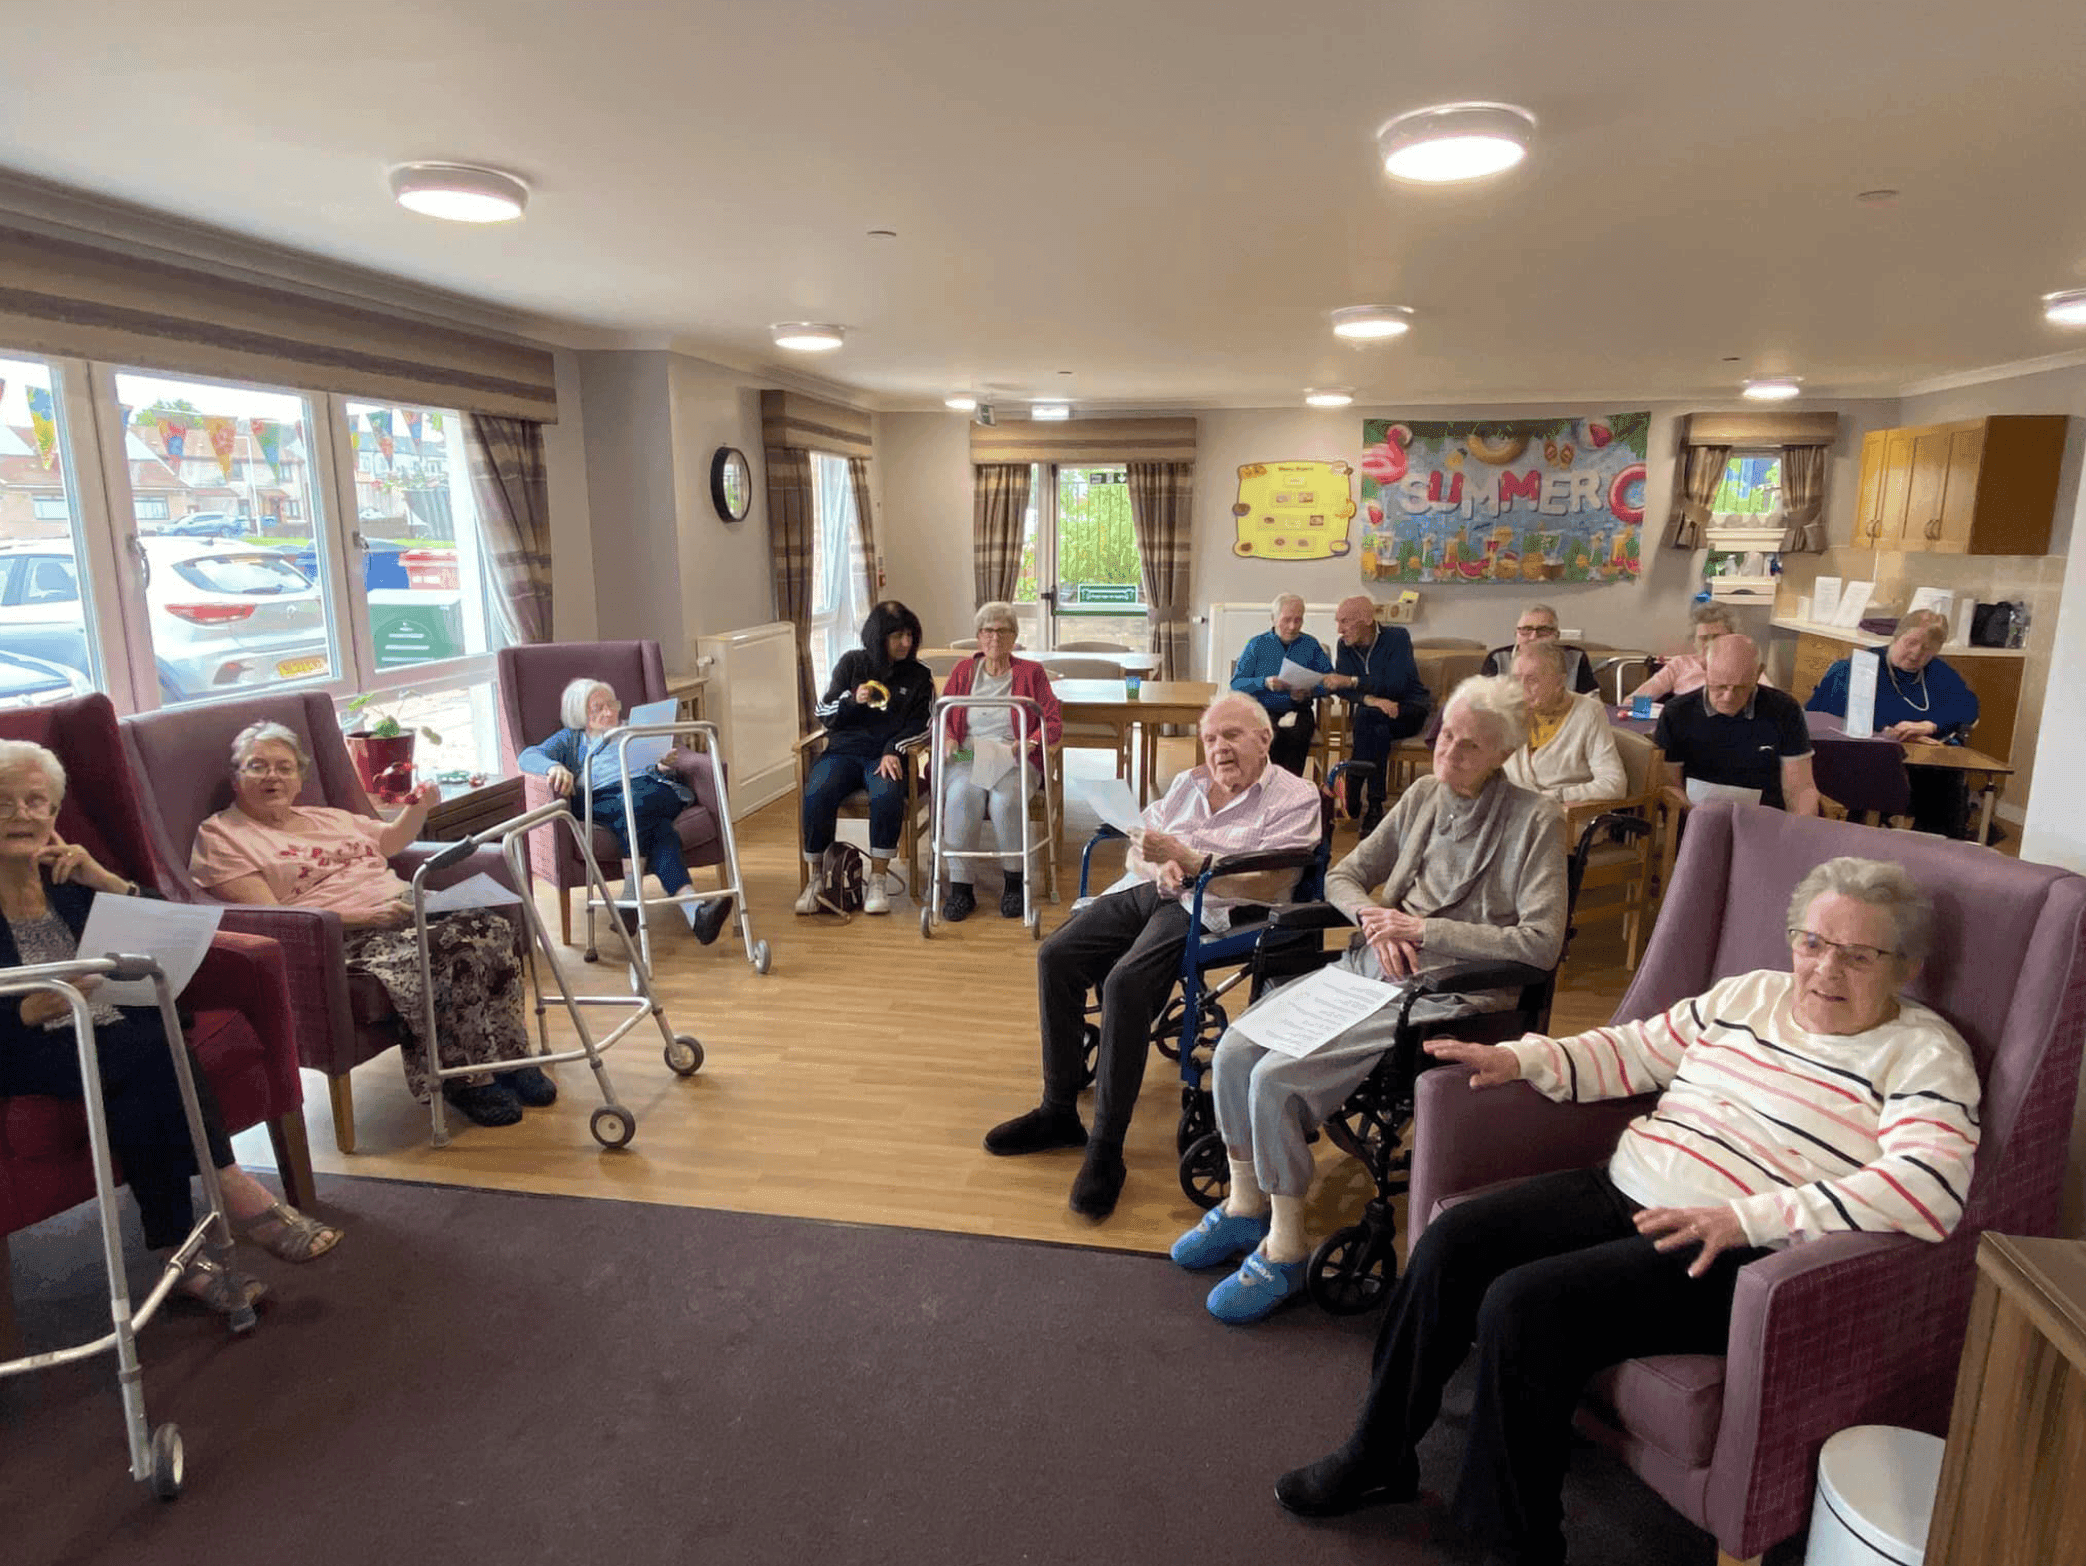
[465, 810]
[1129, 662]
[1157, 702]
[1989, 772]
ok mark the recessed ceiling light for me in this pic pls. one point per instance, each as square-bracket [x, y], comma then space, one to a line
[459, 192]
[1774, 388]
[1050, 410]
[808, 336]
[960, 404]
[1329, 397]
[1370, 323]
[2067, 308]
[1455, 141]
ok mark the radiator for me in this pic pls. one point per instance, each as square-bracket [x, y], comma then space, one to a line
[751, 696]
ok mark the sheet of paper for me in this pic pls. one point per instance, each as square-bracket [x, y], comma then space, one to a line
[1862, 670]
[1701, 792]
[1960, 637]
[648, 751]
[1854, 603]
[480, 891]
[991, 759]
[1113, 800]
[1299, 679]
[1825, 600]
[1938, 599]
[1313, 1012]
[177, 934]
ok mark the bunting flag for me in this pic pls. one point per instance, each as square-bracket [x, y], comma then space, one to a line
[435, 422]
[380, 421]
[223, 431]
[268, 439]
[43, 417]
[173, 435]
[413, 423]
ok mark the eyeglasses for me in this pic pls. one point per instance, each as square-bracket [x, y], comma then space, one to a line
[1858, 958]
[1535, 630]
[34, 805]
[995, 630]
[272, 769]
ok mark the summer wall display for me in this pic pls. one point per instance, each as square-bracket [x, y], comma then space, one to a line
[1526, 500]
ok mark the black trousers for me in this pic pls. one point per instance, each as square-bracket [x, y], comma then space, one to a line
[1291, 747]
[1552, 1282]
[148, 1132]
[1371, 744]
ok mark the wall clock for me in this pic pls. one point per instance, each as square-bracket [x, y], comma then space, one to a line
[731, 483]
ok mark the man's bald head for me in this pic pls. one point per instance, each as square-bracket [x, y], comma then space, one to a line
[1733, 669]
[1355, 618]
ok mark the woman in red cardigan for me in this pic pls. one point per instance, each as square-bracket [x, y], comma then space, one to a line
[973, 788]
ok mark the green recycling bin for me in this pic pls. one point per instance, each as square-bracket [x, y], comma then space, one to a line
[415, 626]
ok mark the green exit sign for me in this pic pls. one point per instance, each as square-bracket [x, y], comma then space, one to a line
[1106, 593]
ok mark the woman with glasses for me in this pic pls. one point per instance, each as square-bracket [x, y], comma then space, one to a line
[970, 791]
[266, 848]
[1791, 1104]
[47, 887]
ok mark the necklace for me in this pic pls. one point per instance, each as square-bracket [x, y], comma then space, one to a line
[1925, 700]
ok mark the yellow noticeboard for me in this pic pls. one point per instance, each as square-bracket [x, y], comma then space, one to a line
[1294, 510]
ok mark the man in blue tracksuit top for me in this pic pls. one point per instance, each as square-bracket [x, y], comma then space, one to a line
[1258, 675]
[1375, 673]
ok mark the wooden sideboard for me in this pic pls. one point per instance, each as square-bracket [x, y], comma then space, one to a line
[2010, 1492]
[1992, 673]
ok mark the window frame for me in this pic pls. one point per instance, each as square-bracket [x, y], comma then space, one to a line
[1043, 494]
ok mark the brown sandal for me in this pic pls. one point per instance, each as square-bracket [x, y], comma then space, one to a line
[218, 1288]
[288, 1235]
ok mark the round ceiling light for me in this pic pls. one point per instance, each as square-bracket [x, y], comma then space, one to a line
[808, 336]
[459, 192]
[1050, 410]
[1455, 141]
[1774, 388]
[960, 404]
[1328, 397]
[1371, 323]
[2067, 308]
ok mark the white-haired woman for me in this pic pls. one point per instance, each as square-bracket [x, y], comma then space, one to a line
[1570, 754]
[1689, 671]
[966, 802]
[1920, 700]
[47, 886]
[1791, 1104]
[1467, 867]
[265, 848]
[589, 709]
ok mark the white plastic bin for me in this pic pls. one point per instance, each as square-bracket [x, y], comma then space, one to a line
[1876, 1488]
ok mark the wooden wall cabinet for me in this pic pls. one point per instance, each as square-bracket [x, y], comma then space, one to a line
[1973, 487]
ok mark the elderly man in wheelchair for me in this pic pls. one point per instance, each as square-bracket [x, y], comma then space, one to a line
[1128, 943]
[1468, 869]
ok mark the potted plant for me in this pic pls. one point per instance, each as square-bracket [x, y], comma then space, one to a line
[381, 746]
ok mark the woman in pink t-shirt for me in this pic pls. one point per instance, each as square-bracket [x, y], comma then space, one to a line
[1688, 671]
[266, 848]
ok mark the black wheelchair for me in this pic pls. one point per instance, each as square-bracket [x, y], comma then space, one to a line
[1354, 1267]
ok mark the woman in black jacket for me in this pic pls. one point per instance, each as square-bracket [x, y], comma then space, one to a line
[880, 697]
[46, 887]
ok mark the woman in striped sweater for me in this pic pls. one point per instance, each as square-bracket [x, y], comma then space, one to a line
[1791, 1105]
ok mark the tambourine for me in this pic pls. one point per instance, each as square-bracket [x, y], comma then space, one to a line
[879, 695]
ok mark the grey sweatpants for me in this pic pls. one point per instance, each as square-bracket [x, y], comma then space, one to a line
[1269, 1104]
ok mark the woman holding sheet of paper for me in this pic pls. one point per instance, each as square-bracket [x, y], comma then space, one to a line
[1467, 867]
[977, 777]
[47, 887]
[268, 849]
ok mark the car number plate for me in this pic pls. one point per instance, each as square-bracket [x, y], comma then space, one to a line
[290, 668]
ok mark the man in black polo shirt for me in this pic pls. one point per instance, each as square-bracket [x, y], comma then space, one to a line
[1739, 732]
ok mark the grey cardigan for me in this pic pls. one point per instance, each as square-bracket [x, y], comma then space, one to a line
[1514, 908]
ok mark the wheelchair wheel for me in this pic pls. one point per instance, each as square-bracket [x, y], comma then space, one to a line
[1198, 1118]
[1351, 1271]
[1206, 1172]
[1089, 1053]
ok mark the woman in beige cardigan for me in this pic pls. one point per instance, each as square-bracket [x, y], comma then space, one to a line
[1467, 867]
[1570, 754]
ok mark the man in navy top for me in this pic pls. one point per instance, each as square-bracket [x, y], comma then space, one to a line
[1740, 733]
[1374, 672]
[1258, 674]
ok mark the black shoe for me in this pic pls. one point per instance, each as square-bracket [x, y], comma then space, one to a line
[629, 918]
[1100, 1180]
[1343, 1483]
[711, 915]
[532, 1087]
[1372, 818]
[961, 902]
[1010, 896]
[489, 1103]
[1038, 1131]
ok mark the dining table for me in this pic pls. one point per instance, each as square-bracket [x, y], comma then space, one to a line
[1126, 660]
[1155, 703]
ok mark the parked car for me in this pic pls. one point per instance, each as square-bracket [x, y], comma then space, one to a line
[31, 682]
[207, 524]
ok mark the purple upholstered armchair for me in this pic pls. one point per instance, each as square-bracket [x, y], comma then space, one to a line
[183, 760]
[531, 681]
[1847, 1329]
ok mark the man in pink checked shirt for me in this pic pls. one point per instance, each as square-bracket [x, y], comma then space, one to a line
[1128, 942]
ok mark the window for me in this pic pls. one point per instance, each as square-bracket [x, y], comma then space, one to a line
[1079, 543]
[840, 599]
[52, 508]
[48, 649]
[151, 508]
[1752, 485]
[50, 579]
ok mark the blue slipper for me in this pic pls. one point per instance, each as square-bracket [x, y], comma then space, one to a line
[1257, 1290]
[1219, 1238]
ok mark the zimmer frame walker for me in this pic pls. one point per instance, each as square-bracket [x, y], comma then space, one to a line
[758, 953]
[1024, 711]
[156, 1456]
[613, 1125]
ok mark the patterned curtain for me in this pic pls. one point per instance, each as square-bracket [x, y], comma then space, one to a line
[865, 520]
[1701, 474]
[791, 536]
[1161, 495]
[999, 502]
[1803, 500]
[511, 486]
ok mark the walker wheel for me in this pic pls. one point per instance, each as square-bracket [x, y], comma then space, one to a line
[926, 922]
[169, 1466]
[1089, 1054]
[1034, 921]
[1349, 1272]
[1206, 1171]
[684, 1057]
[241, 1320]
[613, 1125]
[763, 958]
[591, 954]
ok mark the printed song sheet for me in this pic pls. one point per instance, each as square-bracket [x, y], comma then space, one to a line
[1313, 1012]
[177, 934]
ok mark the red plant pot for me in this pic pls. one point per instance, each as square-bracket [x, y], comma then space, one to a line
[384, 766]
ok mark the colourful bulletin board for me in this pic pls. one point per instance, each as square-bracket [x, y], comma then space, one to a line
[1294, 510]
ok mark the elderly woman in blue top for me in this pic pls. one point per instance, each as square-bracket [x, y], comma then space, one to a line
[1259, 674]
[589, 709]
[1919, 701]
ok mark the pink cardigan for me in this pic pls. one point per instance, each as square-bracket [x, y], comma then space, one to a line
[1030, 681]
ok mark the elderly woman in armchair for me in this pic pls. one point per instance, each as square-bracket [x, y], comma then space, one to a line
[266, 848]
[1790, 1105]
[47, 887]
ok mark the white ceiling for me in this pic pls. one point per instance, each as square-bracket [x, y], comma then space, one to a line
[1164, 198]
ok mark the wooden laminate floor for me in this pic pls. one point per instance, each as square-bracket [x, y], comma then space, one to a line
[853, 1082]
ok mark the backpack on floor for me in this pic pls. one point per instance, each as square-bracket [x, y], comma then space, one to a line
[841, 874]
